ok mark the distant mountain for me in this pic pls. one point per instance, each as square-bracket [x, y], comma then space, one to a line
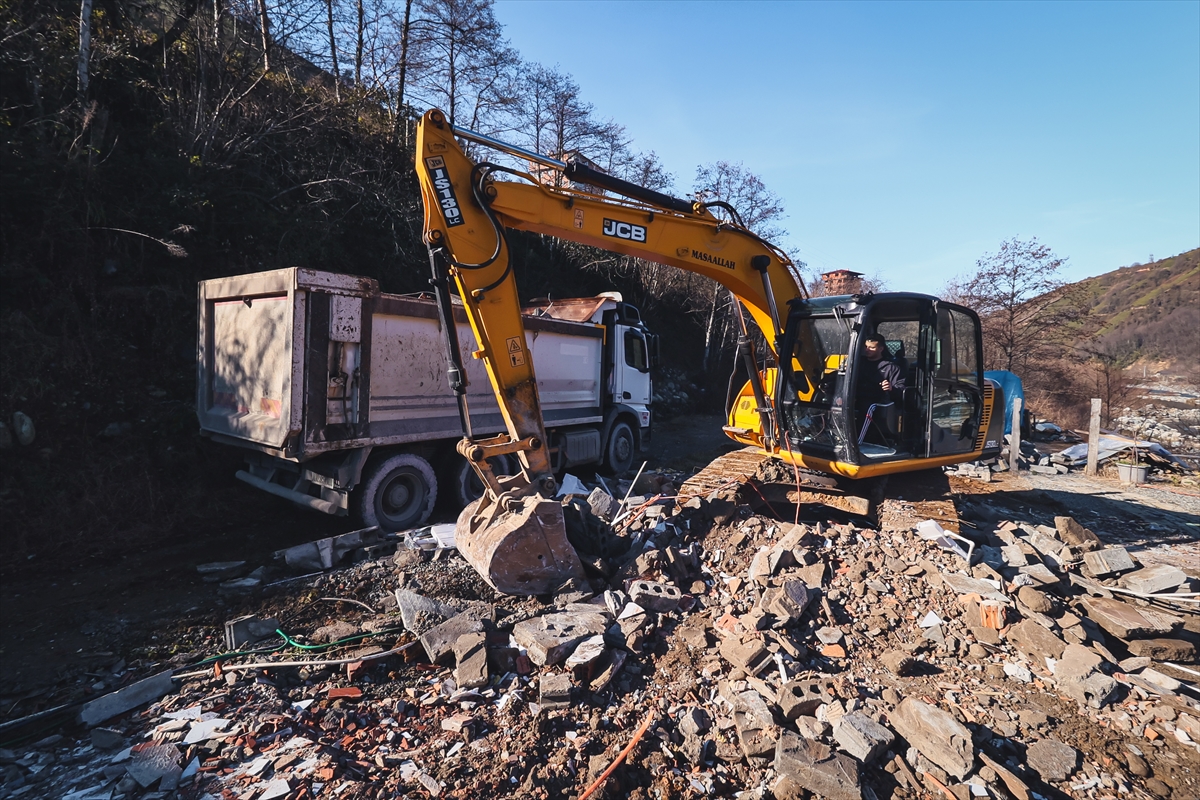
[1148, 310]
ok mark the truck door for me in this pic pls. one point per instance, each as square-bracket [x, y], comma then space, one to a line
[956, 373]
[631, 367]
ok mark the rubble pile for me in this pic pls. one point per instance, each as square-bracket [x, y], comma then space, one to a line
[1175, 427]
[719, 654]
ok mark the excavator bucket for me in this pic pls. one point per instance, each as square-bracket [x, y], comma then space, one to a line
[519, 551]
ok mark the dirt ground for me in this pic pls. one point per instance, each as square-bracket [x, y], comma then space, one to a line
[61, 620]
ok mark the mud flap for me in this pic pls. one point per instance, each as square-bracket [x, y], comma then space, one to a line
[521, 551]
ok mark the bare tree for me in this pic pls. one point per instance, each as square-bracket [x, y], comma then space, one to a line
[359, 30]
[333, 51]
[85, 50]
[756, 207]
[463, 66]
[1027, 312]
[760, 209]
[264, 27]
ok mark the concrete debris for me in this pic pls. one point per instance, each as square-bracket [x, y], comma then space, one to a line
[327, 553]
[1126, 621]
[126, 699]
[419, 613]
[550, 638]
[869, 662]
[1052, 760]
[1154, 579]
[1109, 561]
[654, 596]
[863, 737]
[249, 629]
[817, 768]
[936, 735]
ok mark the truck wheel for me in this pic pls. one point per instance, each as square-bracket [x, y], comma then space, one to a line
[618, 457]
[465, 484]
[397, 493]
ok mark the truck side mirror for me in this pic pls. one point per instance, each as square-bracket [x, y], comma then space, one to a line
[652, 346]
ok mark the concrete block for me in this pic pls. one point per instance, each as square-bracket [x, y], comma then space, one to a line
[863, 737]
[817, 768]
[550, 638]
[803, 697]
[756, 728]
[655, 596]
[554, 691]
[744, 653]
[603, 504]
[439, 640]
[470, 653]
[248, 629]
[1110, 561]
[128, 698]
[1155, 578]
[788, 602]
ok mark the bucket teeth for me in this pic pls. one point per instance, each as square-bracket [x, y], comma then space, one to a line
[522, 551]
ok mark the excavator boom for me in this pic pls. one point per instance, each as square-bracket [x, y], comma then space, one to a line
[514, 536]
[803, 410]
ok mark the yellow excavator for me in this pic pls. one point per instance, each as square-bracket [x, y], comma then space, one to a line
[810, 409]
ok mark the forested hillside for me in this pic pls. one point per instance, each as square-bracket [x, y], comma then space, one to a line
[1149, 310]
[146, 147]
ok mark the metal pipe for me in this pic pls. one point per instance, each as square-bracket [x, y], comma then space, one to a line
[288, 494]
[479, 138]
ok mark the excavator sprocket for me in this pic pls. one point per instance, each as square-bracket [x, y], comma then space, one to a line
[520, 551]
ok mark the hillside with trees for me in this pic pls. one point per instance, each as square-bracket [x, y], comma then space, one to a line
[1149, 311]
[150, 146]
[1071, 342]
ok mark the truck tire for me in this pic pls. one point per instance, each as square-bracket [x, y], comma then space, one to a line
[621, 449]
[465, 484]
[396, 493]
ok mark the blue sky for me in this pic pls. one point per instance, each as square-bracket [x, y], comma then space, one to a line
[908, 139]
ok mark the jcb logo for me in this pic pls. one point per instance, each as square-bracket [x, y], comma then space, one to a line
[624, 230]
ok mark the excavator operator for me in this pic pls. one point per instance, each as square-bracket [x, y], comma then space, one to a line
[880, 384]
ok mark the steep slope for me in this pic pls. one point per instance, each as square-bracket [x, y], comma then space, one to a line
[1148, 310]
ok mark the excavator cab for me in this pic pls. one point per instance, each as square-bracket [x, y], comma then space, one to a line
[831, 413]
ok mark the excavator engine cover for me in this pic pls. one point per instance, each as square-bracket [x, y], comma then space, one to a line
[522, 551]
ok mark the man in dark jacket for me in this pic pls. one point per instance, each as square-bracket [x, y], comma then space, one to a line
[880, 380]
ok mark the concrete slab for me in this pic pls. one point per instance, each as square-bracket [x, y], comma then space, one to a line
[936, 735]
[550, 638]
[1129, 622]
[128, 698]
[817, 768]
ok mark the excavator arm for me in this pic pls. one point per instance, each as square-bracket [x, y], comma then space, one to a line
[514, 536]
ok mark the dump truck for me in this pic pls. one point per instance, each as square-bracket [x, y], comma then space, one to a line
[339, 395]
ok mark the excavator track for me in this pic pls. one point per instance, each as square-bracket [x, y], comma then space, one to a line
[750, 473]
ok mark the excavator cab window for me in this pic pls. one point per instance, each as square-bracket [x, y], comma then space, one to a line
[956, 390]
[813, 381]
